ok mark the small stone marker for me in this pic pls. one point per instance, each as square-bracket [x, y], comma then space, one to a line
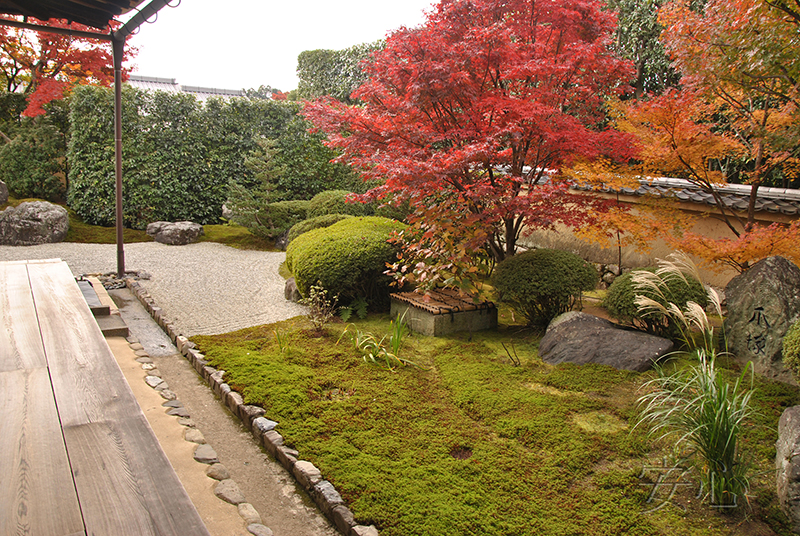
[763, 303]
[249, 514]
[193, 435]
[217, 471]
[787, 465]
[257, 529]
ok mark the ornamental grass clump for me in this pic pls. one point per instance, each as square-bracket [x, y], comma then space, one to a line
[697, 407]
[674, 283]
[380, 351]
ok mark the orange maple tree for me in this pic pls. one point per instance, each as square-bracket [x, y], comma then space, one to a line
[45, 66]
[735, 117]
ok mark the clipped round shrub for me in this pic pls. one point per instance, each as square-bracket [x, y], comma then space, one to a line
[285, 214]
[791, 349]
[348, 258]
[543, 283]
[314, 223]
[334, 202]
[621, 296]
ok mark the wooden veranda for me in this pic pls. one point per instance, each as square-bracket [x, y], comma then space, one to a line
[77, 455]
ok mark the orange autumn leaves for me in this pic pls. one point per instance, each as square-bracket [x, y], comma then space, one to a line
[735, 116]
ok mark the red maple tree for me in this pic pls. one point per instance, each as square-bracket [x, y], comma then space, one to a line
[45, 66]
[482, 102]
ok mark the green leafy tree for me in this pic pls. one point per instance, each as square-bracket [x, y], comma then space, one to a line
[637, 36]
[307, 164]
[32, 162]
[334, 73]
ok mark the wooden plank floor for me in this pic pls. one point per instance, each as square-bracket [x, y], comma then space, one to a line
[76, 453]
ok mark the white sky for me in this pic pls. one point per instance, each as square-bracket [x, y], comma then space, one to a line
[238, 44]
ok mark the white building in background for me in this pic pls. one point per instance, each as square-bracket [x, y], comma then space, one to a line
[151, 83]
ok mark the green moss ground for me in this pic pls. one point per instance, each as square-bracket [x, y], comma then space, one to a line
[471, 444]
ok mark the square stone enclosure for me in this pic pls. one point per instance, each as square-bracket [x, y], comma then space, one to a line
[444, 312]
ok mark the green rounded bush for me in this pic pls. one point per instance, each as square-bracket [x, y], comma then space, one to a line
[348, 258]
[621, 296]
[314, 223]
[543, 283]
[285, 214]
[791, 349]
[334, 202]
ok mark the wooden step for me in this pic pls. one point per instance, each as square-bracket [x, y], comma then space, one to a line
[112, 326]
[97, 308]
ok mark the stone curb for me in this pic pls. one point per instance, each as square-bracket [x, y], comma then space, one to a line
[263, 429]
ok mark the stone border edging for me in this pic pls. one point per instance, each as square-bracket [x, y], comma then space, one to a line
[305, 473]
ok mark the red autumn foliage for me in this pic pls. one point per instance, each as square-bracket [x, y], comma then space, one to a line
[45, 66]
[477, 104]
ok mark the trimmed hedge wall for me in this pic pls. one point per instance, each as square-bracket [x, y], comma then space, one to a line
[179, 155]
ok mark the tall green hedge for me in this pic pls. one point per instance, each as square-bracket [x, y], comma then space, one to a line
[178, 155]
[32, 160]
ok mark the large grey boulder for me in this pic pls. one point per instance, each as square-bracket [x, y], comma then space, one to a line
[178, 233]
[582, 338]
[787, 465]
[33, 222]
[763, 303]
[3, 193]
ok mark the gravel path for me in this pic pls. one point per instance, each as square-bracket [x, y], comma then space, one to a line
[204, 288]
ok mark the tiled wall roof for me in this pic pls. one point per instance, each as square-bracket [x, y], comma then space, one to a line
[734, 196]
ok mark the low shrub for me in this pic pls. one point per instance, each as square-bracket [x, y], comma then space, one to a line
[620, 302]
[791, 349]
[347, 259]
[334, 202]
[319, 222]
[274, 220]
[543, 283]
